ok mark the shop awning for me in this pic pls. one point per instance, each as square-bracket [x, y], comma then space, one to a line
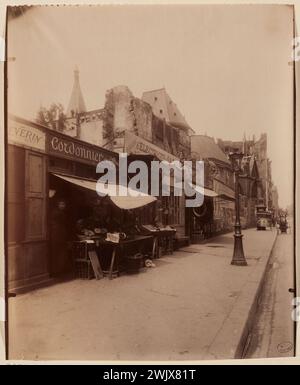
[128, 202]
[224, 191]
[226, 197]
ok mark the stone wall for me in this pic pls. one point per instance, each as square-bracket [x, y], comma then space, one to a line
[91, 127]
[143, 119]
[128, 113]
[173, 140]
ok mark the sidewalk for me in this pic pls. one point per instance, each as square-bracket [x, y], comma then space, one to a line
[194, 305]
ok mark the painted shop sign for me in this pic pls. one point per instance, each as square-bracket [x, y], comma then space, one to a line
[68, 148]
[25, 135]
[136, 145]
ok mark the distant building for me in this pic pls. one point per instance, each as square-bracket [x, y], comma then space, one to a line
[80, 123]
[131, 126]
[164, 108]
[137, 127]
[251, 190]
[258, 150]
[264, 167]
[275, 198]
[76, 104]
[245, 146]
[153, 127]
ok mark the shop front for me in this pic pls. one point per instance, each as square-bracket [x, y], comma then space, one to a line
[170, 210]
[26, 204]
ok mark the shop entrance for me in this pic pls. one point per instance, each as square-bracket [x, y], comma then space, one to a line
[78, 216]
[64, 207]
[200, 220]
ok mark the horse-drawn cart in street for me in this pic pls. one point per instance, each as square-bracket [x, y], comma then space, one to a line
[283, 224]
[264, 218]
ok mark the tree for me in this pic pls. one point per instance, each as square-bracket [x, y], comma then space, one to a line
[52, 117]
[14, 12]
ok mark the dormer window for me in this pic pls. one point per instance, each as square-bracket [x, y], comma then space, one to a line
[161, 111]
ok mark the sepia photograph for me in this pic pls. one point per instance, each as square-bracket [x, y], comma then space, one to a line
[150, 182]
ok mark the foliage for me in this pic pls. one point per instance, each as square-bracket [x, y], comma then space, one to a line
[52, 117]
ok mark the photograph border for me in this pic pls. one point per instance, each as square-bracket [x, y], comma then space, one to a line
[3, 302]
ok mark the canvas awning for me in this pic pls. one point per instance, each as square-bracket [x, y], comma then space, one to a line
[227, 197]
[207, 192]
[224, 191]
[131, 200]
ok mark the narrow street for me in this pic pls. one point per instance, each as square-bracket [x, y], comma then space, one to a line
[193, 305]
[273, 330]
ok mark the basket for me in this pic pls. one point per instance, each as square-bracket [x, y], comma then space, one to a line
[133, 263]
[82, 263]
[84, 269]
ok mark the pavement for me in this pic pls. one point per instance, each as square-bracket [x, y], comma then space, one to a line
[193, 305]
[273, 331]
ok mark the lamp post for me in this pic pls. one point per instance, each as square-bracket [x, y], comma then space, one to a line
[238, 258]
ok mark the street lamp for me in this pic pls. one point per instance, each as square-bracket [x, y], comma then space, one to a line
[238, 258]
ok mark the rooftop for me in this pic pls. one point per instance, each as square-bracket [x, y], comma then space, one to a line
[164, 107]
[77, 104]
[206, 148]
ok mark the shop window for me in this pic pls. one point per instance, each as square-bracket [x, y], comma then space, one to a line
[171, 209]
[59, 164]
[159, 130]
[85, 171]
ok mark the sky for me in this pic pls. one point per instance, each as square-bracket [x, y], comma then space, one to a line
[226, 67]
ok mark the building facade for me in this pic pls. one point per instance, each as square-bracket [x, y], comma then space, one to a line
[133, 127]
[251, 190]
[37, 230]
[218, 178]
[152, 126]
[257, 150]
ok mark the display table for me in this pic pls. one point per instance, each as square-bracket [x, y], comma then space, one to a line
[85, 259]
[110, 253]
[166, 240]
[163, 239]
